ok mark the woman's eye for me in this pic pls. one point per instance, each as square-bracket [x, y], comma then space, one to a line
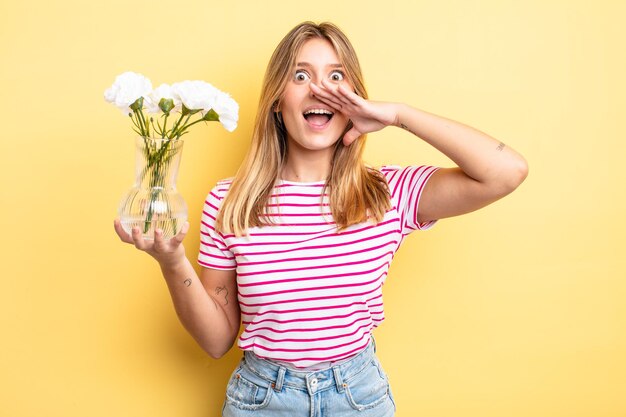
[301, 76]
[336, 76]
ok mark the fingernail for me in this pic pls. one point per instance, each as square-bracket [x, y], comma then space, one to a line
[158, 232]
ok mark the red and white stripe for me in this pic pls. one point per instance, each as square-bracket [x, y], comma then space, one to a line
[307, 293]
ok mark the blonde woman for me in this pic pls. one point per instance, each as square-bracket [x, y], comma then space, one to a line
[297, 245]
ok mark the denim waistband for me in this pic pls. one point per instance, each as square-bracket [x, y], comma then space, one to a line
[313, 381]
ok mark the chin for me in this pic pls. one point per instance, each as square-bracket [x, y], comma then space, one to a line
[320, 143]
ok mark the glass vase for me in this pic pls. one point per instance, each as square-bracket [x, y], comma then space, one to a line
[153, 202]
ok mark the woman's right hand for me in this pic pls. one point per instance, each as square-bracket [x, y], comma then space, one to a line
[166, 252]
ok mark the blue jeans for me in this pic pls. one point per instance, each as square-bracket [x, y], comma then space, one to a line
[357, 387]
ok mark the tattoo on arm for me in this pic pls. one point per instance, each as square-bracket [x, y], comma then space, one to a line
[405, 127]
[500, 146]
[223, 289]
[187, 282]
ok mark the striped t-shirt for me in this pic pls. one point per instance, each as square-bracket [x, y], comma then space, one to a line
[307, 293]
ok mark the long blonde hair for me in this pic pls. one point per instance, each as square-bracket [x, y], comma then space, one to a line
[356, 192]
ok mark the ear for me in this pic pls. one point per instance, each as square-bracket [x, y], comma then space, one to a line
[276, 107]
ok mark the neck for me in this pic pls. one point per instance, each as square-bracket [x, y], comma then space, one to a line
[307, 167]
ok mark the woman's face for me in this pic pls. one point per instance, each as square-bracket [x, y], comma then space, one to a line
[312, 125]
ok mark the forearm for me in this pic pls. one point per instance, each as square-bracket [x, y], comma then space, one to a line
[200, 312]
[480, 156]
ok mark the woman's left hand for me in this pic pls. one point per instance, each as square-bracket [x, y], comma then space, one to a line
[366, 115]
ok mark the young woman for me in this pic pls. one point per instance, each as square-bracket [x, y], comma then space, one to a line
[297, 245]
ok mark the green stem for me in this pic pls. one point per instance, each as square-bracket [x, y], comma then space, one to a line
[171, 135]
[164, 126]
[157, 179]
[144, 122]
[182, 129]
[134, 121]
[141, 125]
[153, 157]
[178, 132]
[160, 131]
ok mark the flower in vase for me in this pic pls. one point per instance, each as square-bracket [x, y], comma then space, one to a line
[175, 104]
[162, 99]
[227, 109]
[195, 95]
[127, 89]
[172, 110]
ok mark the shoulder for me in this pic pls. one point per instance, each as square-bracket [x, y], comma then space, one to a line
[389, 170]
[393, 172]
[221, 187]
[218, 192]
[409, 177]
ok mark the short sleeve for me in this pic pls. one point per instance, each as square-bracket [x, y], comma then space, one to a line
[406, 185]
[214, 252]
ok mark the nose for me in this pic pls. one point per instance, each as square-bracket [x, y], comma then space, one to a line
[311, 90]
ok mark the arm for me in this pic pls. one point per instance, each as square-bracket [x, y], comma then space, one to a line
[207, 306]
[487, 169]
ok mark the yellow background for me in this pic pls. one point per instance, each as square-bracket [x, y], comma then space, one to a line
[515, 310]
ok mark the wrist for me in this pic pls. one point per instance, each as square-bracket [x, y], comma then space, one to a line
[399, 112]
[173, 264]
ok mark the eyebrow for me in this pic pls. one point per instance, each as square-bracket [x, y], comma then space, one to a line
[306, 64]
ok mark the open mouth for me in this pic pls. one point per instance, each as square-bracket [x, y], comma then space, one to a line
[318, 117]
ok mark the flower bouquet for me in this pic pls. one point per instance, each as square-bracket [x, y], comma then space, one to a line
[160, 117]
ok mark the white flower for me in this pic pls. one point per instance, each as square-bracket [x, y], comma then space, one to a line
[132, 93]
[162, 91]
[195, 95]
[126, 89]
[228, 110]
